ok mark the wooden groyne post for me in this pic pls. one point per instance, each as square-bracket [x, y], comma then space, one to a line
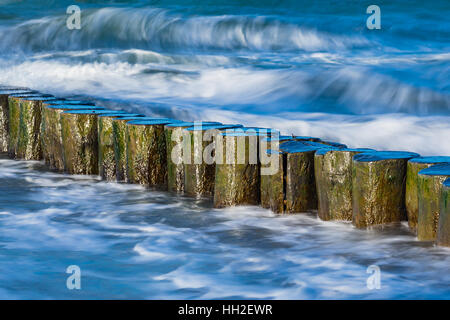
[146, 152]
[412, 179]
[199, 175]
[430, 183]
[379, 183]
[238, 166]
[443, 232]
[334, 182]
[175, 136]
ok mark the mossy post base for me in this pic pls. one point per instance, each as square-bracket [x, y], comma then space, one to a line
[106, 154]
[80, 143]
[333, 172]
[14, 125]
[29, 141]
[237, 179]
[443, 232]
[119, 127]
[273, 186]
[52, 144]
[379, 183]
[146, 155]
[175, 170]
[429, 190]
[4, 123]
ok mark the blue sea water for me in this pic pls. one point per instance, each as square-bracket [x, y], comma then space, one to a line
[309, 68]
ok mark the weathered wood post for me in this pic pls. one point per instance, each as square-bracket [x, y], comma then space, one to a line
[292, 189]
[146, 152]
[15, 121]
[106, 154]
[174, 144]
[237, 177]
[80, 141]
[412, 176]
[430, 183]
[51, 132]
[4, 114]
[119, 128]
[443, 232]
[379, 183]
[333, 171]
[199, 175]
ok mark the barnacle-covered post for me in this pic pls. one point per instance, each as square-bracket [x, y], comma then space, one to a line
[51, 132]
[80, 141]
[4, 114]
[15, 121]
[146, 152]
[430, 183]
[174, 144]
[200, 174]
[443, 232]
[106, 154]
[293, 188]
[237, 177]
[379, 182]
[333, 170]
[412, 176]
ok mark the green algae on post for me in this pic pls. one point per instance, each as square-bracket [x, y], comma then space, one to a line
[443, 232]
[175, 156]
[333, 172]
[292, 189]
[4, 115]
[199, 175]
[16, 122]
[79, 130]
[146, 152]
[106, 153]
[430, 183]
[379, 182]
[412, 197]
[51, 135]
[237, 177]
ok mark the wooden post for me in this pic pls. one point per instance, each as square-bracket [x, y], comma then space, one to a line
[443, 232]
[4, 115]
[51, 132]
[119, 128]
[430, 183]
[379, 182]
[199, 175]
[293, 188]
[174, 144]
[80, 141]
[412, 176]
[237, 177]
[106, 154]
[333, 170]
[146, 152]
[15, 121]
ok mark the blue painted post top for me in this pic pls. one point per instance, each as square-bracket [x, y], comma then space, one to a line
[384, 155]
[88, 112]
[122, 115]
[152, 121]
[441, 169]
[183, 124]
[324, 151]
[68, 101]
[301, 146]
[214, 127]
[430, 160]
[250, 131]
[74, 107]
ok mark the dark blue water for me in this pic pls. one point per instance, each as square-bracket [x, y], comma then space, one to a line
[303, 67]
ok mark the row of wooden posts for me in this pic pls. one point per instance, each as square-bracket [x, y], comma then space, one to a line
[364, 186]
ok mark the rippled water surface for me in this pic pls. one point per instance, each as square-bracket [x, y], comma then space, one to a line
[303, 67]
